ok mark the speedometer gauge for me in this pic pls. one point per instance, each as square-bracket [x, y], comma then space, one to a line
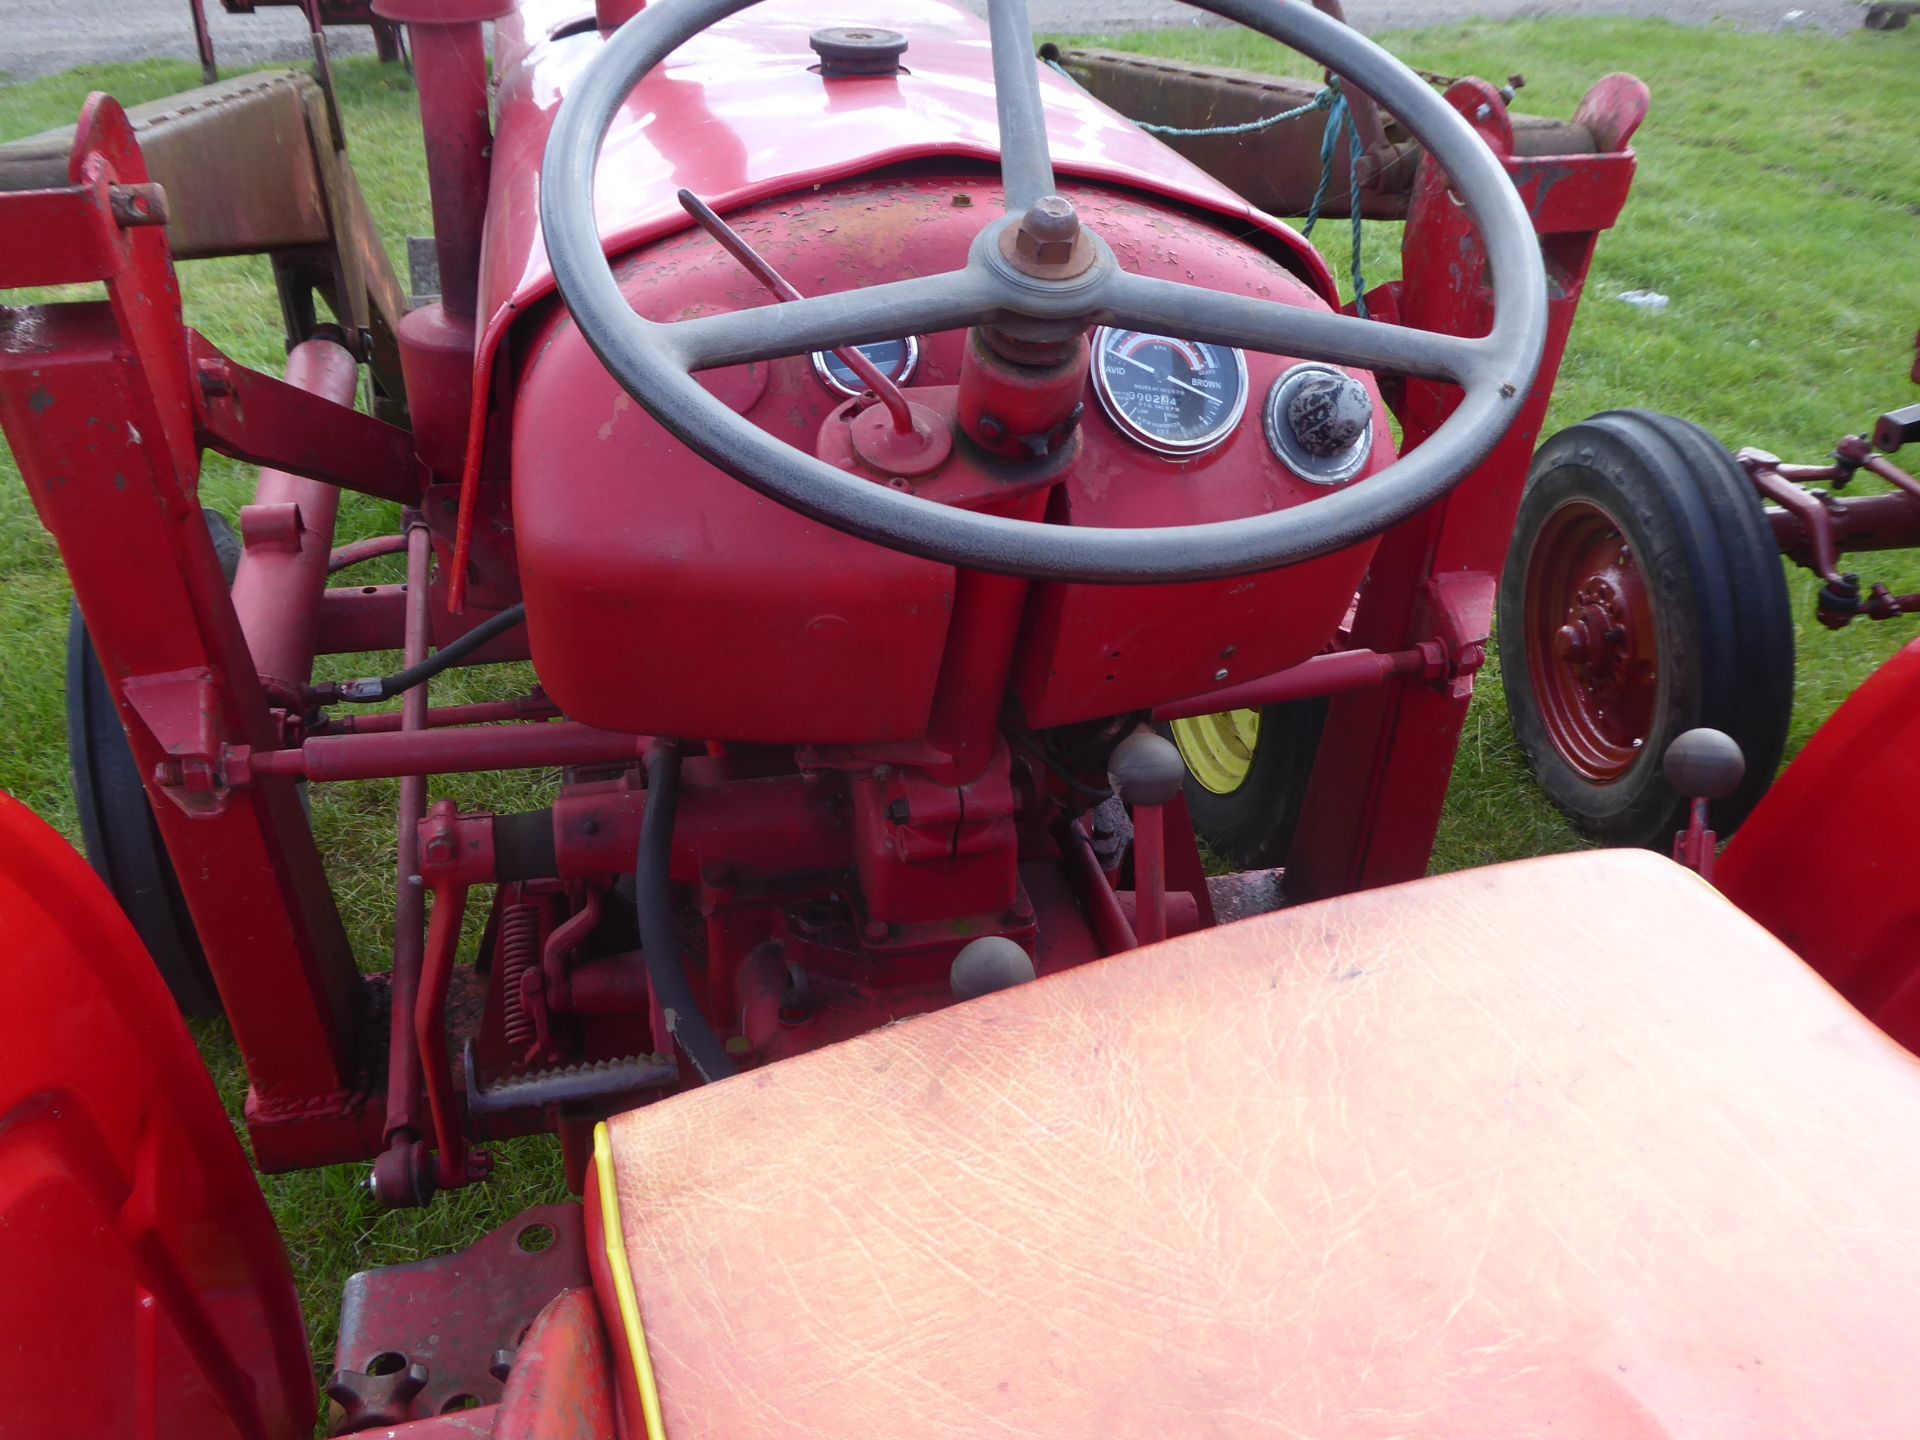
[1175, 396]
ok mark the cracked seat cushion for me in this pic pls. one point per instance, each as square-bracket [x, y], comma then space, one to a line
[1567, 1147]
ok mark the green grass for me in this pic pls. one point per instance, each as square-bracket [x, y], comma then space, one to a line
[1776, 205]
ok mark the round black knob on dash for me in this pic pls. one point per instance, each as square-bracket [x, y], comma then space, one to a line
[1328, 413]
[858, 50]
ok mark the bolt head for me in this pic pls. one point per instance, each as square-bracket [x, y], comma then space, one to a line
[1047, 232]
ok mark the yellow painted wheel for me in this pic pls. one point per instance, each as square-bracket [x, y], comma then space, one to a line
[1247, 774]
[1219, 748]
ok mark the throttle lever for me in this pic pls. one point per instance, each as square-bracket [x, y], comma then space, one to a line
[731, 241]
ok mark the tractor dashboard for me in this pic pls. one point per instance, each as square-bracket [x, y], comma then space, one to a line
[725, 602]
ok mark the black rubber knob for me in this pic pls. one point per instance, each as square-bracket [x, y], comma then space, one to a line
[1705, 764]
[990, 963]
[1328, 413]
[1146, 769]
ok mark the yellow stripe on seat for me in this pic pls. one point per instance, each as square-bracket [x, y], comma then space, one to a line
[623, 1285]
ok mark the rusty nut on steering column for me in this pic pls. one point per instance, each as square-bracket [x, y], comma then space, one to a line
[1047, 242]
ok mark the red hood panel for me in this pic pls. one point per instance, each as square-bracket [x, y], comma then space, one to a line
[737, 114]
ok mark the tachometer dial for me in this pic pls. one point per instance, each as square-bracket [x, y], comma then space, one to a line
[1179, 397]
[894, 359]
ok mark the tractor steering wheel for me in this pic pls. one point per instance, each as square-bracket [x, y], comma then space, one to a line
[655, 362]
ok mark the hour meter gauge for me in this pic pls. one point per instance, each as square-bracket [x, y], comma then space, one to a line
[1179, 397]
[895, 359]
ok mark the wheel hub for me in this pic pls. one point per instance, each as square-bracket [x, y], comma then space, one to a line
[1593, 653]
[1595, 640]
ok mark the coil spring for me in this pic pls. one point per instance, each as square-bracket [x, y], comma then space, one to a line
[519, 953]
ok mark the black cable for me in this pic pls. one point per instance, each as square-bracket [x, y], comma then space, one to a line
[365, 692]
[653, 904]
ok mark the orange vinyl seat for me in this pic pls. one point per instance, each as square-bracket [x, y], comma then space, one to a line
[1567, 1147]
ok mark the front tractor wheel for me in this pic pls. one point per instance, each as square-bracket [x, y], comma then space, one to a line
[1247, 774]
[1643, 597]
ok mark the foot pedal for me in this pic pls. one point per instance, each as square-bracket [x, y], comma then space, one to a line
[588, 1082]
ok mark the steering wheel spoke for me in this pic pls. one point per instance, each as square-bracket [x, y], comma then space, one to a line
[1167, 307]
[923, 306]
[1026, 165]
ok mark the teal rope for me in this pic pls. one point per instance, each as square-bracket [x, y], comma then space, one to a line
[1325, 100]
[1339, 117]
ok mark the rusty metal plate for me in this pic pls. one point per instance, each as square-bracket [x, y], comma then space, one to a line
[264, 194]
[454, 1313]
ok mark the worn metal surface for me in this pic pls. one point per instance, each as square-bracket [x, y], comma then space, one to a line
[254, 417]
[766, 124]
[1815, 527]
[453, 1314]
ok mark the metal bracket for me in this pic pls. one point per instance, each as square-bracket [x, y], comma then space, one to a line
[254, 417]
[1458, 609]
[179, 709]
[452, 1316]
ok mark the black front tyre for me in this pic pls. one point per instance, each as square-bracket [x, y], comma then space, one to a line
[1643, 596]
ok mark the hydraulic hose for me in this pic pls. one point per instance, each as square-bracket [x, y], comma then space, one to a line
[386, 686]
[653, 901]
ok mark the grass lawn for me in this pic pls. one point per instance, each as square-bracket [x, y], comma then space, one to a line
[1780, 217]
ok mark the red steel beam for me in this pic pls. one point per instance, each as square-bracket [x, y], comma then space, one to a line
[1380, 777]
[288, 535]
[264, 421]
[435, 752]
[81, 421]
[1322, 675]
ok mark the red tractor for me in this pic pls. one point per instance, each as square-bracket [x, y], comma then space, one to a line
[870, 438]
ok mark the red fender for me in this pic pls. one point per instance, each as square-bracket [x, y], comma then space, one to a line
[1823, 861]
[146, 1291]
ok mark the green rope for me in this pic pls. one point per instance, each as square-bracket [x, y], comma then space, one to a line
[1339, 117]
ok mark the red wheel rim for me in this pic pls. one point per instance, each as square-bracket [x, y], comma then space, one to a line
[1591, 645]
